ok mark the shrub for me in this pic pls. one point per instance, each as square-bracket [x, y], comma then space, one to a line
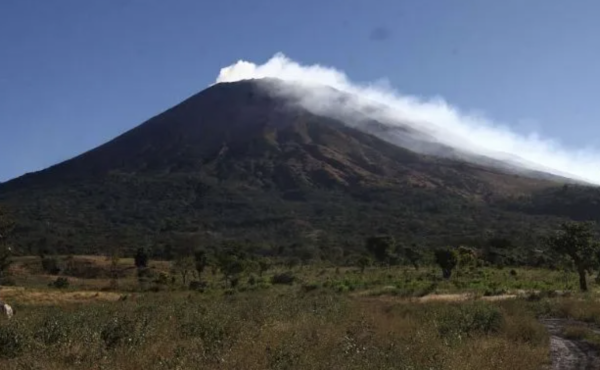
[523, 328]
[310, 287]
[286, 278]
[426, 290]
[234, 281]
[83, 270]
[123, 331]
[575, 332]
[116, 332]
[468, 319]
[12, 341]
[493, 290]
[199, 286]
[145, 277]
[8, 280]
[52, 331]
[341, 288]
[60, 283]
[162, 279]
[141, 258]
[50, 265]
[252, 280]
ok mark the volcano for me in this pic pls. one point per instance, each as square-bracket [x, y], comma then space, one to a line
[239, 161]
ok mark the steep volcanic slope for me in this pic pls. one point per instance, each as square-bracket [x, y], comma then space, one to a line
[236, 161]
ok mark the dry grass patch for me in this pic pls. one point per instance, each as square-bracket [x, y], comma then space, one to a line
[274, 330]
[23, 296]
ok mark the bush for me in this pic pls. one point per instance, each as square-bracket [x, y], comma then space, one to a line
[465, 320]
[493, 291]
[162, 279]
[234, 281]
[50, 265]
[8, 281]
[341, 288]
[252, 280]
[286, 278]
[525, 329]
[12, 341]
[52, 331]
[310, 287]
[575, 332]
[124, 331]
[199, 286]
[60, 283]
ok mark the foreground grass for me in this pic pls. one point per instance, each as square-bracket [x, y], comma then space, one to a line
[328, 318]
[273, 330]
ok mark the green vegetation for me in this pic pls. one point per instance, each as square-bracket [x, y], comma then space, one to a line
[293, 184]
[256, 313]
[141, 258]
[447, 260]
[7, 226]
[577, 240]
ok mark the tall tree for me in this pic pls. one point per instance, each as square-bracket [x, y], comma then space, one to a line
[263, 266]
[231, 267]
[184, 265]
[577, 240]
[7, 226]
[410, 254]
[364, 262]
[447, 260]
[200, 261]
[115, 257]
[232, 261]
[381, 248]
[141, 258]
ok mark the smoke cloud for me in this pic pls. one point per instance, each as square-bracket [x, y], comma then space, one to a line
[325, 90]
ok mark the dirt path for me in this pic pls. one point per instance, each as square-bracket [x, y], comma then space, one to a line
[569, 354]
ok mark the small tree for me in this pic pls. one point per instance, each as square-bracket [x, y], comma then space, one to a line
[381, 248]
[577, 241]
[447, 260]
[184, 265]
[231, 266]
[411, 255]
[5, 261]
[364, 262]
[141, 258]
[50, 264]
[465, 258]
[7, 226]
[293, 262]
[114, 268]
[200, 262]
[263, 266]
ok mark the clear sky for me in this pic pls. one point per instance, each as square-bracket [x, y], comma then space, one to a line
[74, 74]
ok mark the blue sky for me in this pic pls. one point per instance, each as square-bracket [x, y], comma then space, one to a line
[74, 74]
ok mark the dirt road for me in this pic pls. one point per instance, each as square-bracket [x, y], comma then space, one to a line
[570, 354]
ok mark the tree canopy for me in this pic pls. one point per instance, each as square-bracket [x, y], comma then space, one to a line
[578, 241]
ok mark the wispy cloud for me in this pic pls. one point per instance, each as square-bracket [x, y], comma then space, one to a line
[469, 131]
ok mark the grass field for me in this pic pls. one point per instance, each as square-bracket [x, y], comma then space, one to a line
[327, 318]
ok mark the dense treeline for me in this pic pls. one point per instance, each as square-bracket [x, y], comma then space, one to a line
[573, 246]
[155, 212]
